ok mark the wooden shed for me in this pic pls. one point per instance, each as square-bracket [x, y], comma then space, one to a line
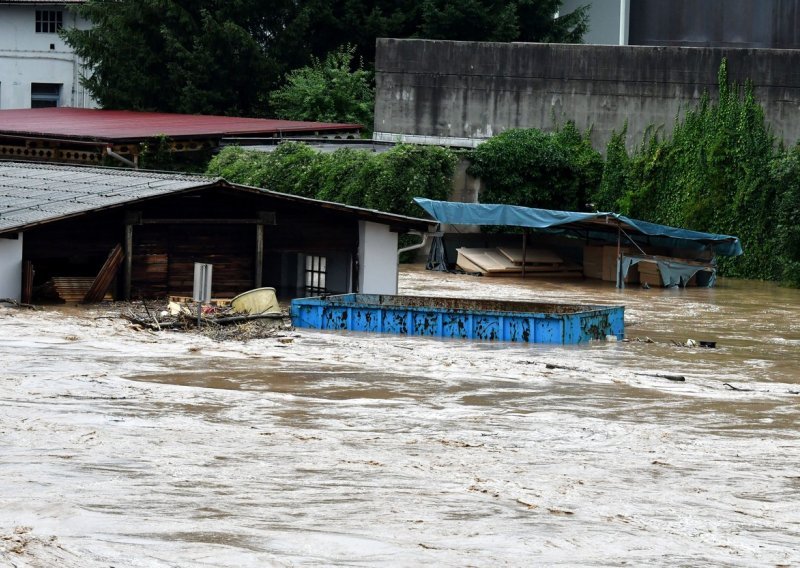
[63, 223]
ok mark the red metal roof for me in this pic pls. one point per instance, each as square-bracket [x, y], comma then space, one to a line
[125, 125]
[43, 2]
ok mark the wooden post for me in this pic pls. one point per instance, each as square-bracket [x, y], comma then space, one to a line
[27, 282]
[620, 284]
[131, 218]
[259, 260]
[524, 251]
[127, 269]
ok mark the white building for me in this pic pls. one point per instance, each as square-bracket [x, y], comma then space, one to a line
[760, 24]
[609, 20]
[37, 68]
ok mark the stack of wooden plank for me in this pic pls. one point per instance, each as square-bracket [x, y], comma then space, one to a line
[533, 257]
[506, 261]
[105, 277]
[72, 289]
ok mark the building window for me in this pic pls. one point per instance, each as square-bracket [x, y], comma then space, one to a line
[45, 95]
[49, 21]
[315, 275]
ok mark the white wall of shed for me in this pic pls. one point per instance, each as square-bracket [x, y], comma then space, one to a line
[26, 57]
[377, 259]
[11, 268]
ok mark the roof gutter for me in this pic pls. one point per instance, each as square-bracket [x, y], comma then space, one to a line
[416, 246]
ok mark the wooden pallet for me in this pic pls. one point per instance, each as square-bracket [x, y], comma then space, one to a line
[492, 262]
[532, 256]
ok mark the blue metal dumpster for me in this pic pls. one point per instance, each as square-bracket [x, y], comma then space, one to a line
[460, 318]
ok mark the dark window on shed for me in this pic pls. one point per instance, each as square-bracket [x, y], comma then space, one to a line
[316, 268]
[45, 95]
[49, 21]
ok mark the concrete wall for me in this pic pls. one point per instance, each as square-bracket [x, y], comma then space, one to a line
[377, 259]
[11, 268]
[27, 57]
[459, 93]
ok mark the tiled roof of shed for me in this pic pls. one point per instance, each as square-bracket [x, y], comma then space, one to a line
[32, 193]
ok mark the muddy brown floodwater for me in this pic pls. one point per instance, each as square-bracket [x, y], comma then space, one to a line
[127, 448]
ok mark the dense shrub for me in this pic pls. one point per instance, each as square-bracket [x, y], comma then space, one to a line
[334, 89]
[406, 172]
[717, 172]
[536, 169]
[287, 169]
[786, 172]
[587, 161]
[386, 181]
[614, 179]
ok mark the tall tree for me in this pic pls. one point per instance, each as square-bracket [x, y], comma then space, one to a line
[498, 20]
[194, 56]
[320, 26]
[224, 56]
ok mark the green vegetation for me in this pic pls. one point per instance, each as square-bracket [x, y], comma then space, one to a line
[722, 171]
[328, 91]
[225, 57]
[190, 57]
[493, 20]
[386, 181]
[785, 170]
[535, 169]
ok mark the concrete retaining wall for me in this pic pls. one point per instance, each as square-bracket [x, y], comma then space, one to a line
[458, 92]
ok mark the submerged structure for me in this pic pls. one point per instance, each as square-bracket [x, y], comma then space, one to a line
[457, 318]
[137, 234]
[607, 245]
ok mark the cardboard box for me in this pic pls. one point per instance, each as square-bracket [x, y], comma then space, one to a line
[610, 265]
[649, 274]
[593, 261]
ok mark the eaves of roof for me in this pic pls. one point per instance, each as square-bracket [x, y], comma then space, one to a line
[120, 126]
[36, 194]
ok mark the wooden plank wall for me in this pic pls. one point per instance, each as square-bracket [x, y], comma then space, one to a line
[164, 254]
[164, 257]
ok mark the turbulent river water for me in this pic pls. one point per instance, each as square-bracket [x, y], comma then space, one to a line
[127, 448]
